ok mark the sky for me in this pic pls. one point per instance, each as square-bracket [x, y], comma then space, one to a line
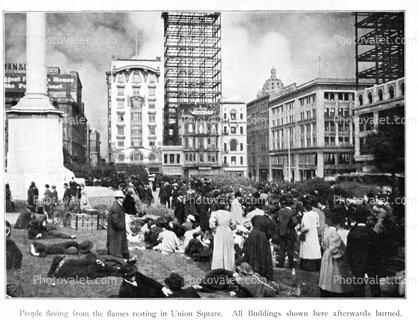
[252, 43]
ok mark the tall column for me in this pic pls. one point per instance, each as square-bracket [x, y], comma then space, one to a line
[35, 126]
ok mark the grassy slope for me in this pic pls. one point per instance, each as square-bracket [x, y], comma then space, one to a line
[151, 263]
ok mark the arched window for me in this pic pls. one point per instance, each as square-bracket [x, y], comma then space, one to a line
[151, 157]
[360, 99]
[136, 78]
[121, 157]
[151, 79]
[391, 92]
[201, 158]
[403, 88]
[380, 95]
[233, 145]
[370, 97]
[137, 157]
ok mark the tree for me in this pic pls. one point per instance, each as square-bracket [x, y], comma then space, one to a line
[387, 146]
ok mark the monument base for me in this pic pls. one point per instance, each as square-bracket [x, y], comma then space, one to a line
[35, 151]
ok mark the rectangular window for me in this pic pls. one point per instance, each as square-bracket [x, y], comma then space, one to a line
[121, 117]
[241, 116]
[121, 91]
[136, 90]
[151, 143]
[121, 130]
[121, 143]
[166, 158]
[332, 142]
[233, 160]
[242, 160]
[224, 116]
[151, 105]
[233, 130]
[241, 146]
[152, 117]
[326, 140]
[151, 91]
[178, 158]
[121, 104]
[135, 78]
[152, 130]
[241, 130]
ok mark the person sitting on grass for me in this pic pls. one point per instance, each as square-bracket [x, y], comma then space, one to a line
[38, 230]
[41, 250]
[169, 243]
[137, 285]
[24, 218]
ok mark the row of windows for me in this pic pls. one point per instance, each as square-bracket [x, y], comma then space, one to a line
[233, 146]
[380, 94]
[342, 140]
[233, 116]
[307, 100]
[136, 103]
[137, 156]
[233, 160]
[342, 126]
[172, 158]
[340, 158]
[340, 96]
[136, 90]
[342, 111]
[191, 128]
[136, 142]
[192, 158]
[193, 143]
[312, 159]
[233, 130]
[136, 117]
[135, 78]
[135, 129]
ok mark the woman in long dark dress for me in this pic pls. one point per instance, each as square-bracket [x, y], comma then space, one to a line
[257, 248]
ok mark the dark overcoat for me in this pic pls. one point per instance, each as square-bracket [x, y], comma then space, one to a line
[117, 244]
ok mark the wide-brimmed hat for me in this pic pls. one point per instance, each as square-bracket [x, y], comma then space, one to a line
[174, 281]
[34, 223]
[118, 194]
[191, 217]
[128, 270]
[85, 246]
[242, 229]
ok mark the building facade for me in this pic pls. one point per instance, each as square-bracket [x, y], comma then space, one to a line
[234, 137]
[311, 130]
[135, 112]
[94, 147]
[257, 138]
[199, 132]
[374, 104]
[65, 90]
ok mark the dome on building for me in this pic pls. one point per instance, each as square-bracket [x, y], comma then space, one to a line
[272, 85]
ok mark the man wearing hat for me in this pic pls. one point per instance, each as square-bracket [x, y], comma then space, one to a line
[41, 250]
[137, 285]
[117, 243]
[48, 202]
[39, 229]
[189, 224]
[175, 283]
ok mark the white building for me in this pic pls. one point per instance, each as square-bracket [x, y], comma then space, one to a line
[234, 137]
[135, 112]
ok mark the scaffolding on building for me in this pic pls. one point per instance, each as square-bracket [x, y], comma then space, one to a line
[192, 64]
[379, 45]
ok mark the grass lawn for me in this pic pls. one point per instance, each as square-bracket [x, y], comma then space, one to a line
[33, 273]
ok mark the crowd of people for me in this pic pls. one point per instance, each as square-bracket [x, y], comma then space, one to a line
[243, 234]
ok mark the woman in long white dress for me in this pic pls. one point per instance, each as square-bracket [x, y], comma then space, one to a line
[84, 200]
[222, 223]
[310, 250]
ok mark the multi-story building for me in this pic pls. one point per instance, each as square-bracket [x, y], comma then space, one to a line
[192, 64]
[311, 130]
[234, 137]
[65, 90]
[380, 103]
[94, 147]
[199, 132]
[135, 112]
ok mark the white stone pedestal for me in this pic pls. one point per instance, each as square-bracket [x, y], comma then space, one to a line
[35, 152]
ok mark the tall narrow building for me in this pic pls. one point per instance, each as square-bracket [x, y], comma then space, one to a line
[192, 89]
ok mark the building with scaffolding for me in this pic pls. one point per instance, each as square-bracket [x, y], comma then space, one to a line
[380, 46]
[192, 65]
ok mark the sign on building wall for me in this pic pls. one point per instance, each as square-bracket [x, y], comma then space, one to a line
[16, 82]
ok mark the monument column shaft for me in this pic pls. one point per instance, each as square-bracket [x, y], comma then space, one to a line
[36, 76]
